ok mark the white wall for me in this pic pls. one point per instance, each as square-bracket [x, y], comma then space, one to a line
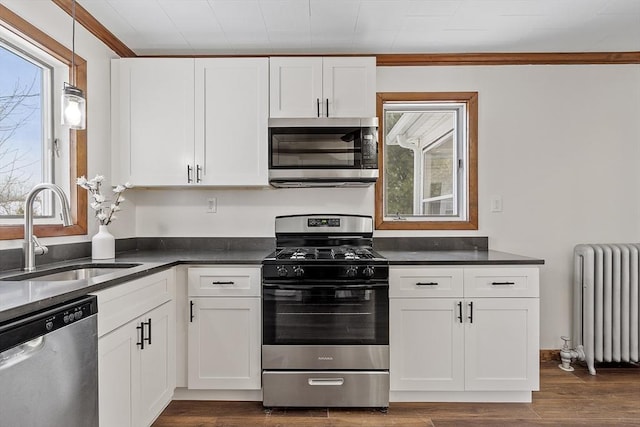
[52, 20]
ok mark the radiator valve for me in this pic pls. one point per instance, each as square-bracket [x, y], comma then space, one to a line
[567, 355]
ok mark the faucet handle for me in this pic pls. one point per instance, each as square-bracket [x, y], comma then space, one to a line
[38, 248]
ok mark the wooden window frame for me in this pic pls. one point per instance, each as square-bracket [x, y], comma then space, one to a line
[77, 138]
[471, 100]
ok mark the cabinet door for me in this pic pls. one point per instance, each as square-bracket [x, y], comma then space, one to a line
[157, 363]
[156, 135]
[502, 344]
[295, 87]
[224, 344]
[425, 344]
[349, 85]
[231, 121]
[118, 376]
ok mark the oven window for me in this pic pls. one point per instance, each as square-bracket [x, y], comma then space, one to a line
[326, 315]
[319, 148]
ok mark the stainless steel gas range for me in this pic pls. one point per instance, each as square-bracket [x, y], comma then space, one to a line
[325, 305]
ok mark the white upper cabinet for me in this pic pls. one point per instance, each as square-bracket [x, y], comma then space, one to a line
[153, 120]
[231, 121]
[302, 87]
[180, 122]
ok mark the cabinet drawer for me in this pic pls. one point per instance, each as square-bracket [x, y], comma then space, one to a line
[122, 303]
[425, 282]
[501, 282]
[224, 281]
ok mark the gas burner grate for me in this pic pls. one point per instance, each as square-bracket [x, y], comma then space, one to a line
[337, 253]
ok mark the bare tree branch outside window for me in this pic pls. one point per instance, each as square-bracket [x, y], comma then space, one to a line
[19, 101]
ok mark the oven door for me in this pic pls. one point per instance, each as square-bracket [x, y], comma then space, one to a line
[325, 314]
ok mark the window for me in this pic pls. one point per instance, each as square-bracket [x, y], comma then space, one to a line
[25, 129]
[428, 161]
[33, 68]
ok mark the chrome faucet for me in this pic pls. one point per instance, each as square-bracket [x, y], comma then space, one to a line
[31, 245]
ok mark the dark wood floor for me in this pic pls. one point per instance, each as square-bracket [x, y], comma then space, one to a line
[611, 398]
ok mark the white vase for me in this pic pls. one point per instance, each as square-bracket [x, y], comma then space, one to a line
[103, 244]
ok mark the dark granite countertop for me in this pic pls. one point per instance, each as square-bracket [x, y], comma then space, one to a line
[18, 298]
[456, 257]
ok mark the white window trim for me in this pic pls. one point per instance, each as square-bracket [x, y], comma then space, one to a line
[461, 149]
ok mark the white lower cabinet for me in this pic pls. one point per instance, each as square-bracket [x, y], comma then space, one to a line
[224, 344]
[136, 357]
[463, 343]
[426, 345]
[224, 331]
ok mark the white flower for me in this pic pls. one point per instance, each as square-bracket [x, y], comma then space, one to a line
[104, 214]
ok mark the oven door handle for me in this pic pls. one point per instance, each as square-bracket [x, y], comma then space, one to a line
[336, 287]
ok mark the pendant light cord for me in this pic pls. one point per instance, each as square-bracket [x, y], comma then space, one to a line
[73, 43]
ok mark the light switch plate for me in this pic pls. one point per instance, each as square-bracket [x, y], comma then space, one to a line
[212, 205]
[496, 204]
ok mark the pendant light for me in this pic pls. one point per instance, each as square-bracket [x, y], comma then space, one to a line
[74, 104]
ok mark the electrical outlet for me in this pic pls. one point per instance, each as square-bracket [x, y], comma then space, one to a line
[212, 205]
[496, 204]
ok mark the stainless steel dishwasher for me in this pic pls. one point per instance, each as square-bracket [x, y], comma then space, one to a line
[49, 367]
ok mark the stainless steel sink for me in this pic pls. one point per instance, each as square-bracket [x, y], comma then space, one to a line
[70, 272]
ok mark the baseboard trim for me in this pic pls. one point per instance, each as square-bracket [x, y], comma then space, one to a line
[549, 355]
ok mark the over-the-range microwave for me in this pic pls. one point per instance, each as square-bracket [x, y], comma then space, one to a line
[324, 152]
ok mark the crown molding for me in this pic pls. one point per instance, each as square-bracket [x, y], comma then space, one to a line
[550, 58]
[92, 25]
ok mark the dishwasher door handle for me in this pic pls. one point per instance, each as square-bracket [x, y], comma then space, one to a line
[21, 352]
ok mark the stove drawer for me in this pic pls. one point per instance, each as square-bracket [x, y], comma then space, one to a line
[325, 388]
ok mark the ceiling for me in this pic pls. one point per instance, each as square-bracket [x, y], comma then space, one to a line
[191, 27]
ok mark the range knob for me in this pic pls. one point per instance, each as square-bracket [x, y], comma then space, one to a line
[282, 271]
[368, 271]
[298, 271]
[352, 271]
